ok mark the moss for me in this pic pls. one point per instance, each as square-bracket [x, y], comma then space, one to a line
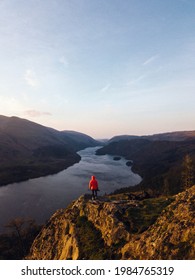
[91, 244]
[143, 216]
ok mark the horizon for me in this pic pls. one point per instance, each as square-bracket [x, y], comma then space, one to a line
[105, 138]
[103, 68]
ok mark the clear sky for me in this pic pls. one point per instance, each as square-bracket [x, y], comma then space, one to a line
[101, 67]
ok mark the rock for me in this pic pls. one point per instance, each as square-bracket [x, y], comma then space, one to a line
[171, 236]
[57, 240]
[110, 223]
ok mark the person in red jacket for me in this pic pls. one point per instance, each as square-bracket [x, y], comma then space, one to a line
[93, 186]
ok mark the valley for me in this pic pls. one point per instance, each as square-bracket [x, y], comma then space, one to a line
[38, 198]
[141, 183]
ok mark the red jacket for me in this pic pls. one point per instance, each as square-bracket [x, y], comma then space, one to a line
[93, 184]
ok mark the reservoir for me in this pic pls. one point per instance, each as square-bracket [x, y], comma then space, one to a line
[39, 198]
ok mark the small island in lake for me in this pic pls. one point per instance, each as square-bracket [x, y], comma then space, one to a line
[129, 163]
[116, 158]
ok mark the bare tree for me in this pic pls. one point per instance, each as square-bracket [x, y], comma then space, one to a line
[17, 226]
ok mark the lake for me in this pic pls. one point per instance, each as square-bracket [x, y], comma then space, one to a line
[39, 198]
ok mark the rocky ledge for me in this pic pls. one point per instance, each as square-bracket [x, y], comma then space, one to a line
[119, 227]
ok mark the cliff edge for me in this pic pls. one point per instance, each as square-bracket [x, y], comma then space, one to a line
[121, 226]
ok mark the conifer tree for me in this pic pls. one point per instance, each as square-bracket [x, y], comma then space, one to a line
[187, 173]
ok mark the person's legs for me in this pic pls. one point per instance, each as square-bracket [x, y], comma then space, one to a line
[93, 195]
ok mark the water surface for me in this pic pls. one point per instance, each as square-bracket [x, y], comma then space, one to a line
[39, 198]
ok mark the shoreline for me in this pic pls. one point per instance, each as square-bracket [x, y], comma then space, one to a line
[22, 173]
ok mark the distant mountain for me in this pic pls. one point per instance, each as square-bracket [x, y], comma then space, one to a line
[173, 136]
[29, 150]
[168, 136]
[123, 137]
[78, 140]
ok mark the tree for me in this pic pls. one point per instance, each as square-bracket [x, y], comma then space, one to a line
[188, 172]
[166, 187]
[17, 225]
[23, 232]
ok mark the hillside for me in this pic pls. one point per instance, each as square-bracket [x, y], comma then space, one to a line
[167, 136]
[29, 150]
[78, 140]
[120, 227]
[173, 136]
[155, 161]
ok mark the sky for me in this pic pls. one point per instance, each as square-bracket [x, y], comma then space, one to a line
[103, 68]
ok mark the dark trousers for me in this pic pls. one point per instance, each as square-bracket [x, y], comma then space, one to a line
[94, 194]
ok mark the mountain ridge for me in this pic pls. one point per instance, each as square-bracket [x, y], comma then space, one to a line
[164, 136]
[30, 150]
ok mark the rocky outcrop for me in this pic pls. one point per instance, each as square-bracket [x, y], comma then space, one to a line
[171, 237]
[57, 240]
[106, 215]
[114, 224]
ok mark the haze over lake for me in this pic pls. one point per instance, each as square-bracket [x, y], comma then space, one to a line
[40, 198]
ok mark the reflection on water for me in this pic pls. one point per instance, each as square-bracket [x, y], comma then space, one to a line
[40, 198]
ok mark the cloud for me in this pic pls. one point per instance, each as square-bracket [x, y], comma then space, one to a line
[35, 113]
[151, 59]
[136, 80]
[31, 78]
[105, 88]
